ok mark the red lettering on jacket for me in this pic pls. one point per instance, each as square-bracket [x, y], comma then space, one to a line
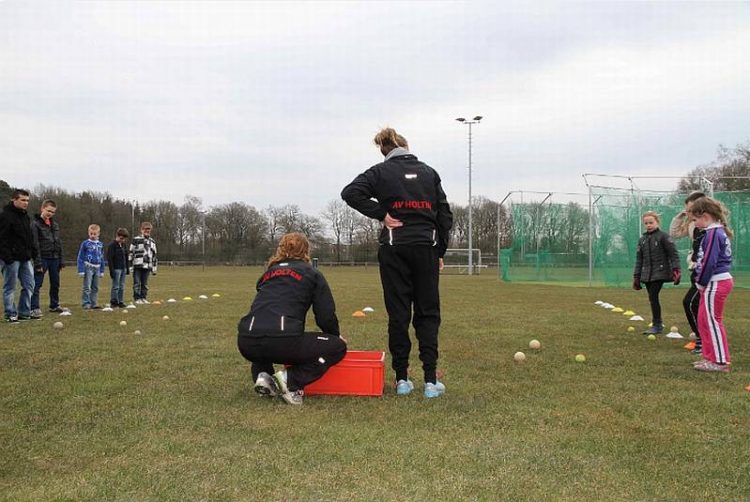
[412, 204]
[281, 272]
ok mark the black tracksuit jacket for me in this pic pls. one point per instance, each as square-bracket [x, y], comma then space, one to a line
[409, 190]
[285, 292]
[16, 238]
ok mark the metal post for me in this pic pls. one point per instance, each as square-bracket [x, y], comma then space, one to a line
[471, 122]
[471, 233]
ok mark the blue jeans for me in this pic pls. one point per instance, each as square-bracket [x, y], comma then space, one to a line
[140, 283]
[23, 270]
[118, 286]
[90, 286]
[51, 265]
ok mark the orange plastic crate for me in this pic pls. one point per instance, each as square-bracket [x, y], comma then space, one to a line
[359, 373]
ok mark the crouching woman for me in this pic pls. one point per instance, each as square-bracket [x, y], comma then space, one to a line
[274, 329]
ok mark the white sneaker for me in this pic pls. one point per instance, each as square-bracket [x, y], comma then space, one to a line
[145, 302]
[265, 385]
[138, 301]
[290, 397]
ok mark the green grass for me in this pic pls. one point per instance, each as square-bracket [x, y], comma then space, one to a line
[95, 412]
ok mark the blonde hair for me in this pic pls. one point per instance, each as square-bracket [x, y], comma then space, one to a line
[146, 224]
[389, 138]
[293, 246]
[707, 205]
[654, 215]
[94, 228]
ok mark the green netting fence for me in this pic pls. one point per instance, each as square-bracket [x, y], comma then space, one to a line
[592, 238]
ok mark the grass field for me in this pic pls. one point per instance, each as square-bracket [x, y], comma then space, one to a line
[94, 412]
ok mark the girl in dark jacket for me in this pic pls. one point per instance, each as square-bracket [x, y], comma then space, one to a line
[656, 262]
[274, 329]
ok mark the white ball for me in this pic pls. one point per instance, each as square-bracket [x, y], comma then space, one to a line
[58, 325]
[519, 357]
[123, 311]
[166, 317]
[534, 344]
[674, 329]
[123, 323]
[137, 332]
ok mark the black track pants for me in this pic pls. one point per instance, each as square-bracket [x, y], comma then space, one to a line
[309, 355]
[654, 288]
[410, 277]
[691, 302]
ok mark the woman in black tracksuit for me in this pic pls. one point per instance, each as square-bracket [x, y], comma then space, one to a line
[656, 262]
[410, 202]
[274, 329]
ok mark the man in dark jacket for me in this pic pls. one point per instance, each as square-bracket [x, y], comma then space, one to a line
[49, 259]
[406, 195]
[17, 252]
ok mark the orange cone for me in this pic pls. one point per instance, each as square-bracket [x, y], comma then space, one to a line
[690, 345]
[358, 313]
[747, 388]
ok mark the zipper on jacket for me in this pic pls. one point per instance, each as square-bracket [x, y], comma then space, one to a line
[390, 236]
[252, 320]
[434, 242]
[282, 323]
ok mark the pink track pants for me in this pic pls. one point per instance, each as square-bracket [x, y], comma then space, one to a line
[710, 317]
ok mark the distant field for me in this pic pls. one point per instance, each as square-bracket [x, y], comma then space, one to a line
[95, 412]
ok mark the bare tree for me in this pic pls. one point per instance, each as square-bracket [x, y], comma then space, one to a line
[334, 214]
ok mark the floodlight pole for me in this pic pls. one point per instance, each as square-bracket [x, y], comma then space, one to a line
[471, 122]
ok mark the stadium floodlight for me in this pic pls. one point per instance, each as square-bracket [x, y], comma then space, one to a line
[471, 122]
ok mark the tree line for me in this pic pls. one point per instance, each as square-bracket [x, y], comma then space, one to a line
[237, 232]
[240, 233]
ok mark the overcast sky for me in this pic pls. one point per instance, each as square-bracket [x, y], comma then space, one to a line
[271, 103]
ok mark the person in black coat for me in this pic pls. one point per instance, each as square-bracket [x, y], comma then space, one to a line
[406, 195]
[656, 262]
[50, 259]
[17, 254]
[273, 331]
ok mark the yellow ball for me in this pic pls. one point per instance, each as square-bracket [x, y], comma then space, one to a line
[652, 337]
[535, 344]
[631, 329]
[580, 358]
[123, 323]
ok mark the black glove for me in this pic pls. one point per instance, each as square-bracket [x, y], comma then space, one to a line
[637, 282]
[676, 275]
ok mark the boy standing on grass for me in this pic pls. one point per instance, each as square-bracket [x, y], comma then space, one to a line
[143, 262]
[91, 267]
[47, 238]
[17, 252]
[117, 261]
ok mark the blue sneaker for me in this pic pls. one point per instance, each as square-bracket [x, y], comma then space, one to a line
[436, 389]
[404, 387]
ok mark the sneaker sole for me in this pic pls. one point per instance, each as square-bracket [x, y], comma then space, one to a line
[264, 391]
